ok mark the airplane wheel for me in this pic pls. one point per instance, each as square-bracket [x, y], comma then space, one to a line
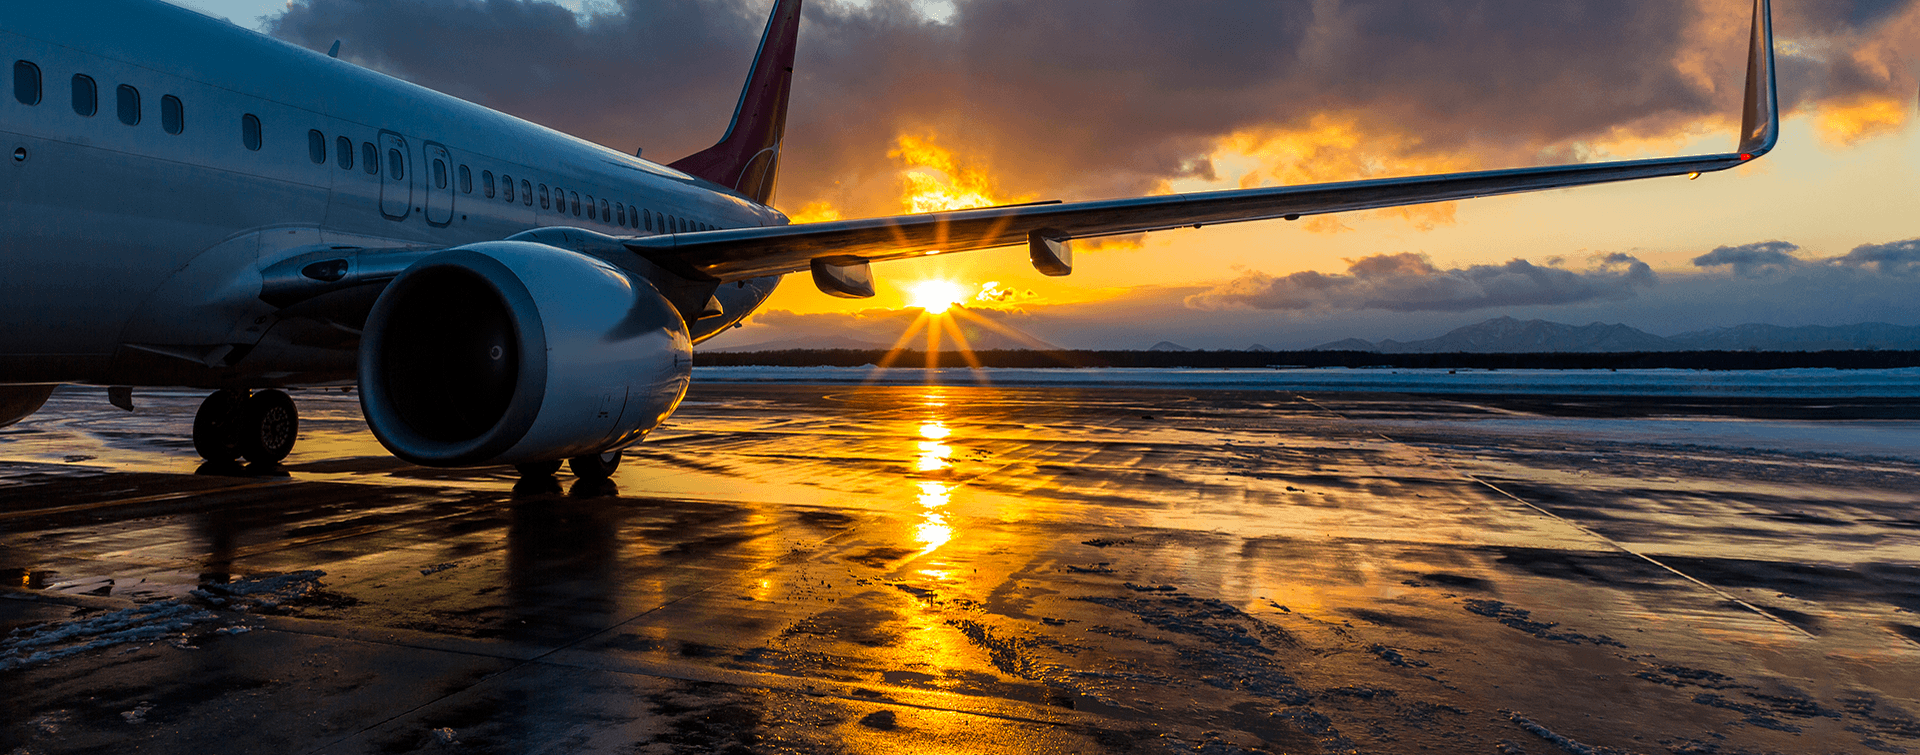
[598, 466]
[267, 427]
[538, 468]
[213, 426]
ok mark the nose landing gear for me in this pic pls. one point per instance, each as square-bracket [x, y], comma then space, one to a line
[260, 426]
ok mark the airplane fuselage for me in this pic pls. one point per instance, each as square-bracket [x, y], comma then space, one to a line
[160, 160]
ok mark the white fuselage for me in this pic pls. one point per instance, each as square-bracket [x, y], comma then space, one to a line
[131, 255]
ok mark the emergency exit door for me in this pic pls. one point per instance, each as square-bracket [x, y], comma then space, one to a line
[396, 177]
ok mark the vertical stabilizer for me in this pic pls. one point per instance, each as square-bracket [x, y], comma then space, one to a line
[747, 159]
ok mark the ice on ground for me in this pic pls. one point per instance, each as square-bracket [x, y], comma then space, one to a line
[149, 623]
[1577, 748]
[166, 620]
[139, 713]
[261, 593]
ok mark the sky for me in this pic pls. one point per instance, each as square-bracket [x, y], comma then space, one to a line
[913, 105]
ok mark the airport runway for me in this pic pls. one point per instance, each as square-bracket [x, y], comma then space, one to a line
[796, 568]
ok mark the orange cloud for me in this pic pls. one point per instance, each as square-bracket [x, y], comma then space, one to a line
[1338, 147]
[933, 179]
[1864, 117]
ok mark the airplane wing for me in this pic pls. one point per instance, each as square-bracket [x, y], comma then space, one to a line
[838, 252]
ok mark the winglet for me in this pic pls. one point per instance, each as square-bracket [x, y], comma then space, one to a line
[1760, 126]
[747, 159]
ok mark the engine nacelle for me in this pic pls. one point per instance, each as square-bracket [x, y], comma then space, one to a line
[18, 402]
[507, 352]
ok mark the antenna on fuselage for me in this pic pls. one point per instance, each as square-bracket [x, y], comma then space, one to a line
[335, 52]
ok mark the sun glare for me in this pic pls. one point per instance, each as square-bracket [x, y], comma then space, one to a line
[935, 296]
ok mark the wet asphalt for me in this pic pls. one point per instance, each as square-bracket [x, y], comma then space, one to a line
[981, 569]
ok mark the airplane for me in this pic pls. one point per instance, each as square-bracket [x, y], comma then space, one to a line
[190, 203]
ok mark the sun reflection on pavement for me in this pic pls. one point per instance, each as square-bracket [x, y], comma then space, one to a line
[935, 458]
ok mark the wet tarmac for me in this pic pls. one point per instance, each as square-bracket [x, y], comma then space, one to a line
[792, 568]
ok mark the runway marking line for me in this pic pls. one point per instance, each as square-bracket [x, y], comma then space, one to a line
[1576, 525]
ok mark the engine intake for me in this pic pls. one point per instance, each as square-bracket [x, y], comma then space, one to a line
[509, 352]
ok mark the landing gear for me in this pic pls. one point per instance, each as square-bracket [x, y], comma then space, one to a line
[598, 466]
[212, 433]
[259, 426]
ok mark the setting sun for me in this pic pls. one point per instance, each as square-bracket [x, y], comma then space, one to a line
[935, 296]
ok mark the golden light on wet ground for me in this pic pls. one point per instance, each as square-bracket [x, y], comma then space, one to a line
[1092, 570]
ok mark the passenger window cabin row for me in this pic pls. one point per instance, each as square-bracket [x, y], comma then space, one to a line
[86, 98]
[28, 90]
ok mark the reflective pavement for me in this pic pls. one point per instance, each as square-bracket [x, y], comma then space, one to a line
[791, 568]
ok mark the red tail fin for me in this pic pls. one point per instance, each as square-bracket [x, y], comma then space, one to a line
[747, 159]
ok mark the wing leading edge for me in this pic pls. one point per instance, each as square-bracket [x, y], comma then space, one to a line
[738, 254]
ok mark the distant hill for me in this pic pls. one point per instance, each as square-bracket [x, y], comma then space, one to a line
[1168, 346]
[1506, 335]
[1876, 336]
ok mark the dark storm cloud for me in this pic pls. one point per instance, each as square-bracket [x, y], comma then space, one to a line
[1900, 258]
[1087, 98]
[1411, 283]
[1752, 260]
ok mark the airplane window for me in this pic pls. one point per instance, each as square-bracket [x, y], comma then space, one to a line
[506, 187]
[26, 82]
[590, 215]
[646, 217]
[543, 196]
[316, 147]
[129, 105]
[486, 183]
[619, 214]
[526, 192]
[173, 118]
[575, 197]
[466, 180]
[369, 158]
[344, 147]
[439, 173]
[86, 95]
[250, 131]
[604, 215]
[396, 164]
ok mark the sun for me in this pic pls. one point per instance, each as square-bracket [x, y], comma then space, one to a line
[935, 296]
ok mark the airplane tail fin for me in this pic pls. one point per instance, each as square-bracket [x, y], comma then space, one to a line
[747, 159]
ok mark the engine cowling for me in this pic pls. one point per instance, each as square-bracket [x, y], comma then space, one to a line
[508, 352]
[18, 402]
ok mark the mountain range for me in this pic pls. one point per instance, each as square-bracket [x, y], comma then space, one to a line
[1506, 335]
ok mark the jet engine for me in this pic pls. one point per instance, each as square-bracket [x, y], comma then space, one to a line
[18, 402]
[512, 352]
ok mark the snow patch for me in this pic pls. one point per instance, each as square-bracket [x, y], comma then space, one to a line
[166, 621]
[52, 641]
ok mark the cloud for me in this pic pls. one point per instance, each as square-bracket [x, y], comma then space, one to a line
[1900, 258]
[1752, 260]
[1076, 99]
[1769, 258]
[1411, 283]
